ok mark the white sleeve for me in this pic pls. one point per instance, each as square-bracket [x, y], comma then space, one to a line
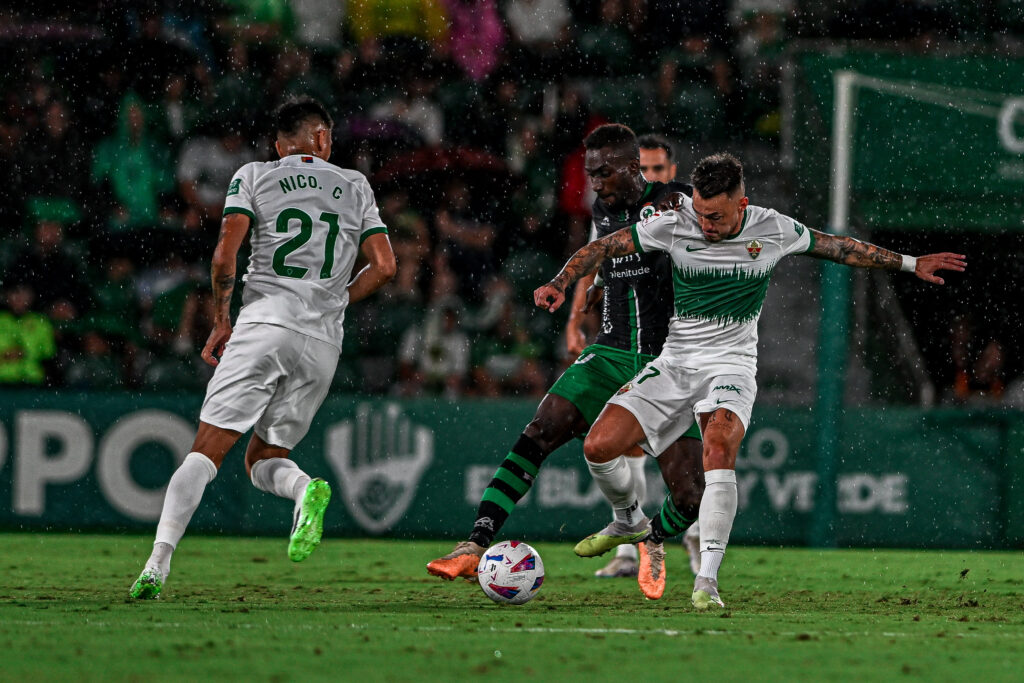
[372, 222]
[656, 232]
[795, 237]
[239, 194]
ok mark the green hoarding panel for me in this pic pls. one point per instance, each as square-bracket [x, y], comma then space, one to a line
[417, 469]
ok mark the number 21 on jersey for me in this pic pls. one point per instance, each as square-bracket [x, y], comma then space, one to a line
[305, 232]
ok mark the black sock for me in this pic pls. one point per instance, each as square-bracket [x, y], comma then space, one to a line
[513, 479]
[670, 521]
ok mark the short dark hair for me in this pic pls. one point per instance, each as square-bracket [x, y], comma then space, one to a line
[716, 174]
[652, 141]
[615, 135]
[295, 111]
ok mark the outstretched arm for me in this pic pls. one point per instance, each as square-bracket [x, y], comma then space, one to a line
[852, 252]
[585, 261]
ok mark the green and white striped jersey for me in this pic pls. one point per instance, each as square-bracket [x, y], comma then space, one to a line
[719, 287]
[309, 218]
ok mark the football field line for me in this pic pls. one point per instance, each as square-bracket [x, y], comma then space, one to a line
[718, 632]
[670, 633]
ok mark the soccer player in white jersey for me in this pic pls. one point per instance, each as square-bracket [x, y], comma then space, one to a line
[723, 253]
[657, 164]
[309, 221]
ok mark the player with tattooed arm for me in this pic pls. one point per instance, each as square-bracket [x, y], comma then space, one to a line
[635, 312]
[723, 252]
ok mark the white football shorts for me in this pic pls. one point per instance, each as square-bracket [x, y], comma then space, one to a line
[666, 398]
[270, 378]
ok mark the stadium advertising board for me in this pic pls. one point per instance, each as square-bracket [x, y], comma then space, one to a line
[938, 141]
[417, 469]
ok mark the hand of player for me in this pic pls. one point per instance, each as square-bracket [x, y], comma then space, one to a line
[928, 265]
[548, 297]
[671, 202]
[594, 296]
[214, 347]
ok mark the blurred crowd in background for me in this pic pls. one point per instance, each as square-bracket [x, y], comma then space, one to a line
[121, 124]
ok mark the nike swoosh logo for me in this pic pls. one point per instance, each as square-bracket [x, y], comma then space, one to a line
[689, 248]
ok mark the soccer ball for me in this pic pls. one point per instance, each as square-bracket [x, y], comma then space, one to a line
[510, 573]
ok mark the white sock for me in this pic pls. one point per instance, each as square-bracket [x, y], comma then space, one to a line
[717, 512]
[615, 479]
[636, 464]
[693, 531]
[627, 551]
[184, 492]
[160, 558]
[280, 476]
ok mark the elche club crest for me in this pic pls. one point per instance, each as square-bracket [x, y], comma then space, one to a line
[754, 248]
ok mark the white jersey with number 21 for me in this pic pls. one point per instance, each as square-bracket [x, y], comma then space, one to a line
[309, 218]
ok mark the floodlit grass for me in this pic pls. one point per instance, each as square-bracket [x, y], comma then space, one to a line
[236, 608]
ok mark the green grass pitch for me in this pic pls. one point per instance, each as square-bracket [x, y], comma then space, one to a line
[237, 609]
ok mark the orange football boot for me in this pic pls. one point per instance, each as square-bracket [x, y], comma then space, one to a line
[460, 562]
[652, 569]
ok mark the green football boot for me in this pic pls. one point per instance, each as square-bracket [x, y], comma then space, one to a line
[613, 535]
[147, 586]
[309, 521]
[705, 594]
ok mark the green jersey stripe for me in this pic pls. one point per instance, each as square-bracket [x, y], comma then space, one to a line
[636, 239]
[238, 209]
[734, 296]
[372, 231]
[634, 328]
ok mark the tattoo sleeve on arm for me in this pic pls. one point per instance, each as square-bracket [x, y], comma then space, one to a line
[852, 252]
[589, 257]
[222, 277]
[223, 288]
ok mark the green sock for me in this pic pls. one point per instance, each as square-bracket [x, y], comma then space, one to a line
[512, 480]
[669, 521]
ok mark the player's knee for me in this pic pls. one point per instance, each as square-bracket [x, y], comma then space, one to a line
[540, 432]
[718, 455]
[600, 446]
